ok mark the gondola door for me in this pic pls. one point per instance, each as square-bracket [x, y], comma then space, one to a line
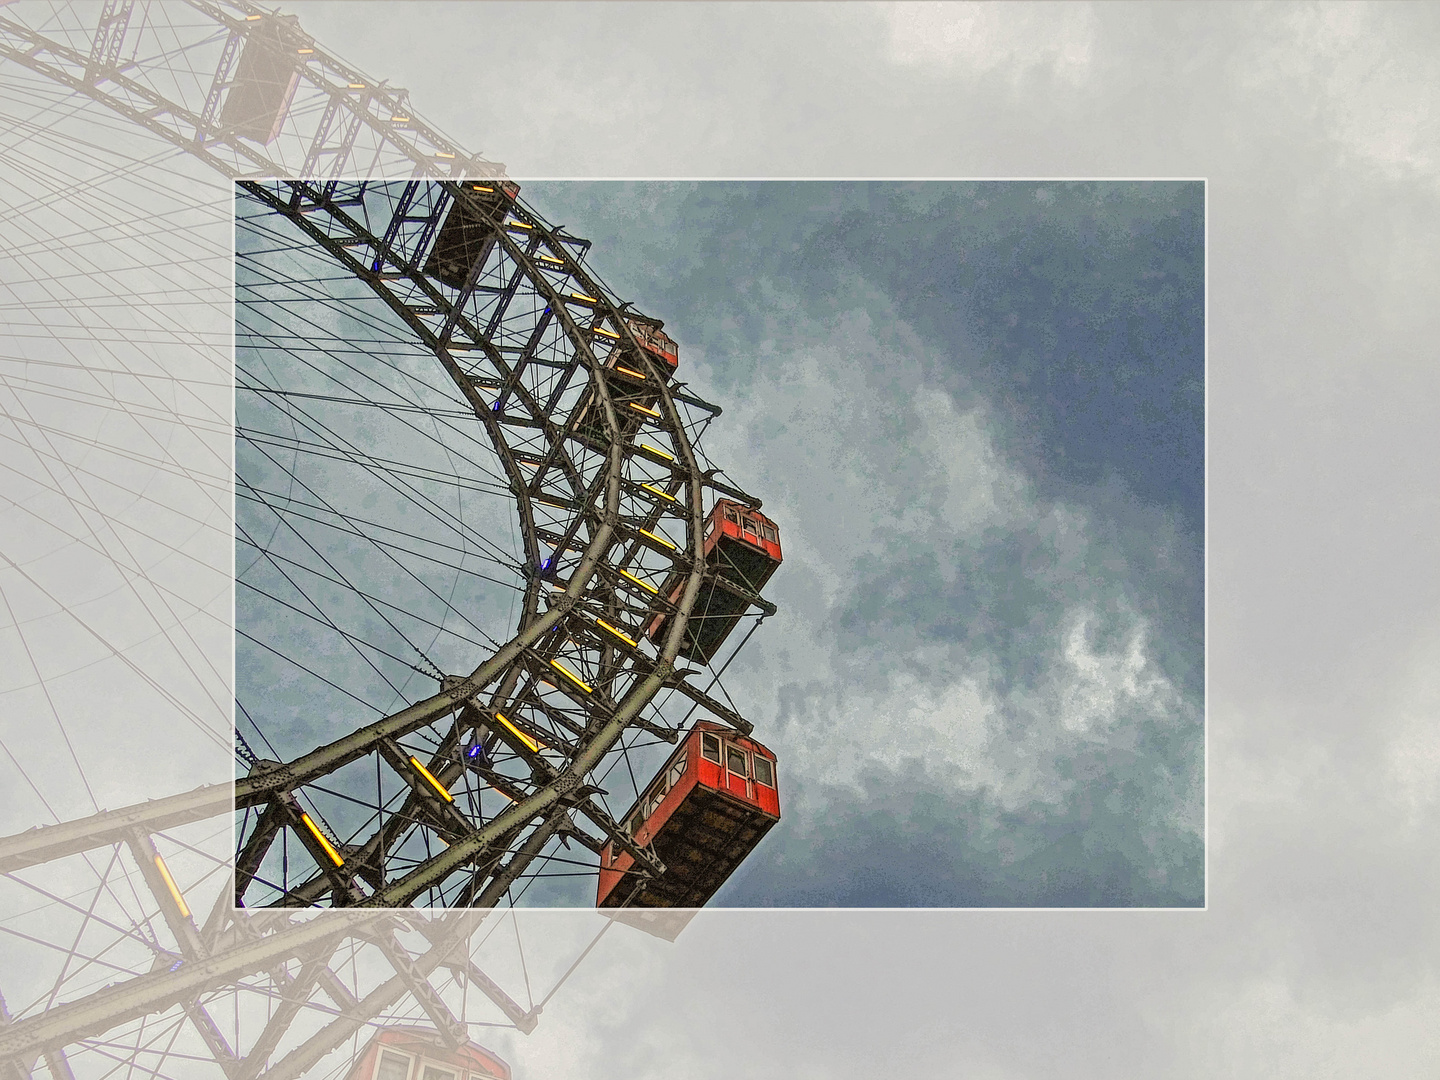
[737, 772]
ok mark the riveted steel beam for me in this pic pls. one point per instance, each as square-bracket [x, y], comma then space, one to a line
[49, 842]
[128, 1000]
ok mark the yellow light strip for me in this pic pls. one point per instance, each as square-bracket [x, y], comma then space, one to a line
[252, 18]
[642, 409]
[657, 491]
[618, 633]
[658, 539]
[443, 154]
[570, 675]
[656, 450]
[170, 884]
[629, 371]
[481, 187]
[552, 259]
[584, 298]
[399, 119]
[517, 225]
[356, 85]
[637, 581]
[305, 52]
[605, 333]
[329, 848]
[423, 771]
[526, 739]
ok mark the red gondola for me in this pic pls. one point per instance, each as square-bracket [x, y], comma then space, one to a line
[742, 550]
[412, 1053]
[635, 393]
[705, 811]
[654, 341]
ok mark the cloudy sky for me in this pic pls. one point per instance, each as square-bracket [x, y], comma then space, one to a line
[976, 411]
[1314, 125]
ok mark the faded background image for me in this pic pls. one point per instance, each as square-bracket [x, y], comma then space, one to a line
[1314, 127]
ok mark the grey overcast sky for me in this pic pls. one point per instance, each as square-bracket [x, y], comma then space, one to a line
[1315, 127]
[976, 412]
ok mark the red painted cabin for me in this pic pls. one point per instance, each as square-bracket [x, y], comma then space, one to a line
[634, 393]
[413, 1053]
[654, 341]
[741, 545]
[702, 815]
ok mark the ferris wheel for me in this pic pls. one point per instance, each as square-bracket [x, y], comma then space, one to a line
[391, 332]
[499, 705]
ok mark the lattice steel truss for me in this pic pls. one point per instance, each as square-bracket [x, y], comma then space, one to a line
[451, 799]
[169, 67]
[114, 968]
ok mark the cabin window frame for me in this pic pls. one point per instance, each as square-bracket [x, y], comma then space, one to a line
[385, 1052]
[676, 772]
[730, 515]
[731, 748]
[719, 758]
[442, 1072]
[769, 766]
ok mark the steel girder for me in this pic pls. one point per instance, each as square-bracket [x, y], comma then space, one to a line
[167, 69]
[343, 123]
[349, 122]
[606, 543]
[253, 945]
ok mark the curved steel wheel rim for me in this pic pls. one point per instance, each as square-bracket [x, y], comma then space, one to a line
[434, 318]
[96, 76]
[197, 126]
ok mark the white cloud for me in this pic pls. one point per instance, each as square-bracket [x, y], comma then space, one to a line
[1363, 72]
[1262, 1030]
[865, 464]
[1412, 752]
[1101, 684]
[976, 39]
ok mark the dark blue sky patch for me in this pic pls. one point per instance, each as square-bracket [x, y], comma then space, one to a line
[1091, 307]
[1077, 308]
[996, 605]
[1086, 302]
[906, 841]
